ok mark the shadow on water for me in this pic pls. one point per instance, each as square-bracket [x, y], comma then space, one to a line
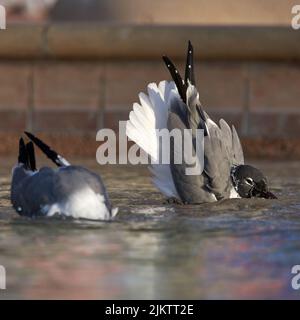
[231, 249]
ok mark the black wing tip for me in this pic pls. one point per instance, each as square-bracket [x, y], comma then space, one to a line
[31, 155]
[176, 77]
[167, 61]
[21, 142]
[190, 50]
[50, 153]
[27, 155]
[189, 68]
[42, 145]
[23, 156]
[29, 145]
[29, 135]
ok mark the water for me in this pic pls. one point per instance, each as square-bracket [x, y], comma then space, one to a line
[232, 249]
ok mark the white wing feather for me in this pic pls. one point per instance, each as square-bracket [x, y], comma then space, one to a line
[145, 118]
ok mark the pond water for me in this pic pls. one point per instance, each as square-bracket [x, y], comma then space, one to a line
[232, 249]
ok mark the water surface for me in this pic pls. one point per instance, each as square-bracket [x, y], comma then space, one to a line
[232, 249]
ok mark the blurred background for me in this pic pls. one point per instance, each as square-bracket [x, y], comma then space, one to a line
[71, 67]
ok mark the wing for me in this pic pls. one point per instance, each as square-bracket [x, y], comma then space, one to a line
[51, 154]
[191, 187]
[173, 105]
[222, 147]
[238, 155]
[222, 151]
[145, 119]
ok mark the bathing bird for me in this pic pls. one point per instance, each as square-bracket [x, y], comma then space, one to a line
[67, 191]
[176, 105]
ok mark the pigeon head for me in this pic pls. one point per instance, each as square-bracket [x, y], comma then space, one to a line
[250, 182]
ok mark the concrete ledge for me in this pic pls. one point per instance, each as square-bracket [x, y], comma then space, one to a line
[22, 41]
[104, 41]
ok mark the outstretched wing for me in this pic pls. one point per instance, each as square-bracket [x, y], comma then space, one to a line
[148, 116]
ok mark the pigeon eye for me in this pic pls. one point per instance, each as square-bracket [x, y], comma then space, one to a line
[249, 181]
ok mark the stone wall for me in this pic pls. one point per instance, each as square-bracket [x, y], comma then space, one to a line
[66, 81]
[195, 12]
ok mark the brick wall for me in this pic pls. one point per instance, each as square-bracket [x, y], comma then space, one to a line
[66, 82]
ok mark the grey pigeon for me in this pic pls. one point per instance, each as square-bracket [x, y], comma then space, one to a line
[70, 191]
[176, 105]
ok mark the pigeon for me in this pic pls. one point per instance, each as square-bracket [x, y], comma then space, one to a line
[176, 105]
[66, 191]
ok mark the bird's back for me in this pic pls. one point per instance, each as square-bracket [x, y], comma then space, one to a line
[69, 191]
